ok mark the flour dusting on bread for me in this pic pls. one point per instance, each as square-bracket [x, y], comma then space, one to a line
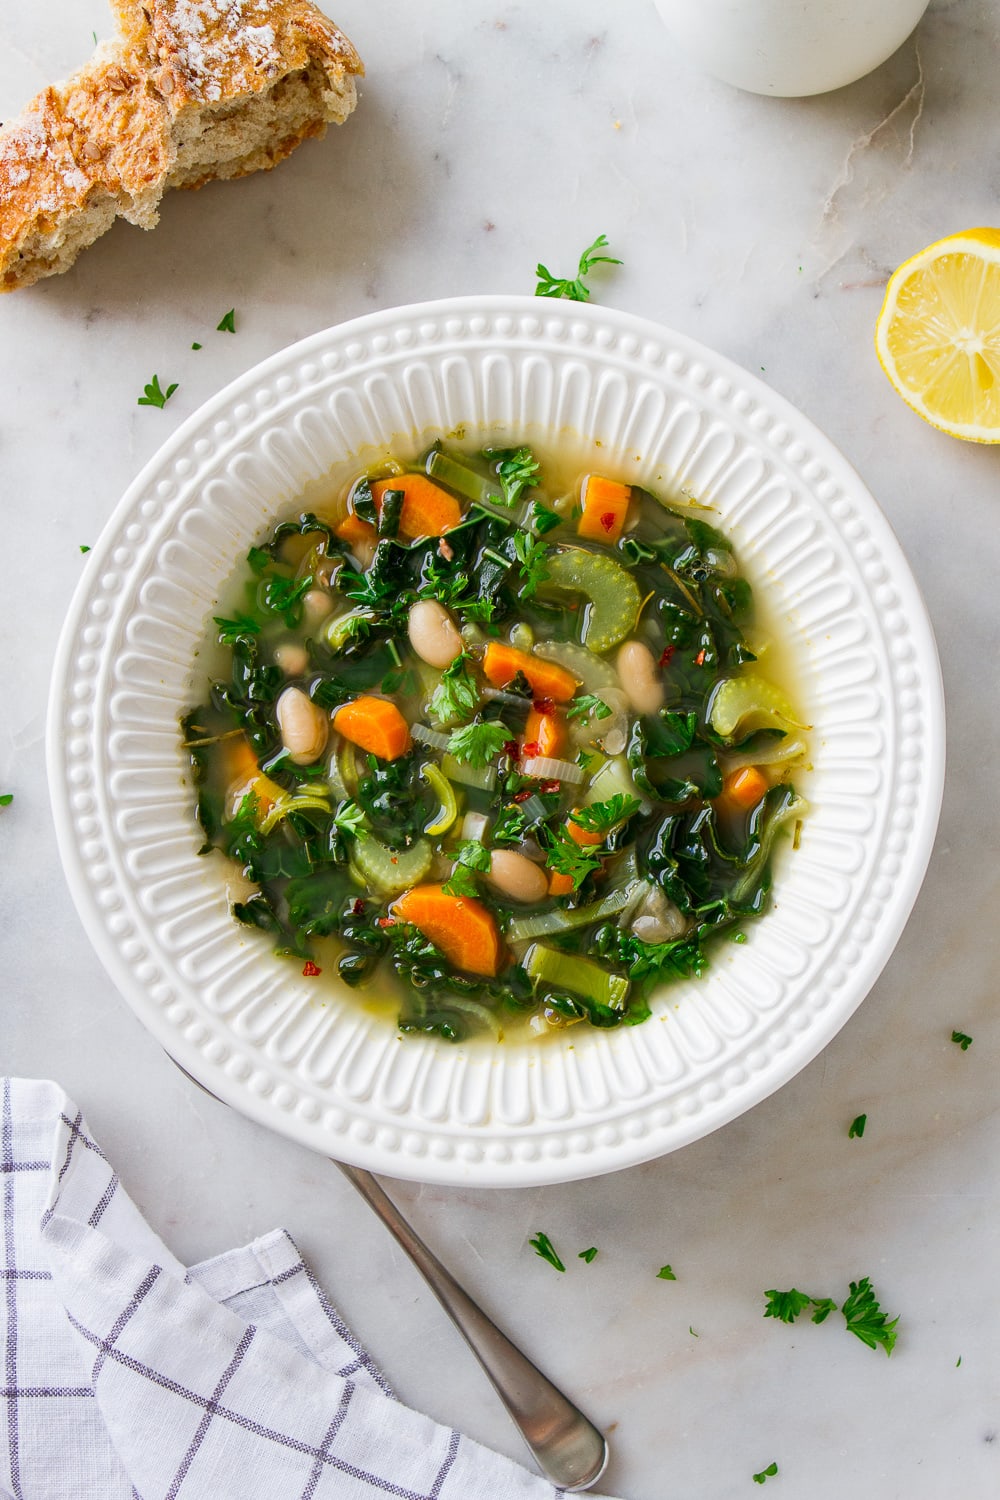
[189, 91]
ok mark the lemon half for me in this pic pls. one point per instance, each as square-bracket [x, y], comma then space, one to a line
[938, 334]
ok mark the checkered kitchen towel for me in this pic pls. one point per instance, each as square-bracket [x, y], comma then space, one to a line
[126, 1377]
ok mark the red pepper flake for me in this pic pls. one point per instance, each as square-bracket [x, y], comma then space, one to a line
[608, 520]
[522, 796]
[357, 908]
[529, 749]
[310, 970]
[668, 656]
[544, 706]
[386, 922]
[393, 859]
[547, 787]
[511, 748]
[699, 660]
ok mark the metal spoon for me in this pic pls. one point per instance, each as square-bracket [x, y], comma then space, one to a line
[567, 1447]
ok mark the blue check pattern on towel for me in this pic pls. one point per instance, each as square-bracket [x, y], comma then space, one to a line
[128, 1377]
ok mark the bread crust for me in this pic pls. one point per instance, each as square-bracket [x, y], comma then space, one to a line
[189, 90]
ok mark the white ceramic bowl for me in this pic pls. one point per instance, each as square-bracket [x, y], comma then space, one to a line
[245, 1023]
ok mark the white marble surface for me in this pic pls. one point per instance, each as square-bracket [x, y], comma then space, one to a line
[487, 137]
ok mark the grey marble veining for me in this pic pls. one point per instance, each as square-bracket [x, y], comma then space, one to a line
[488, 137]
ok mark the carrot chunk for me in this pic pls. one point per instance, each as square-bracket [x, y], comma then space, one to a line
[427, 510]
[462, 927]
[352, 529]
[744, 788]
[544, 734]
[502, 663]
[376, 725]
[605, 505]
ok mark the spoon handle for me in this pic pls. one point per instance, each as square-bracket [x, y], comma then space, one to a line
[568, 1448]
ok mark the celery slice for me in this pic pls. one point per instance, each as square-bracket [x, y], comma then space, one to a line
[463, 480]
[390, 871]
[579, 975]
[483, 777]
[613, 594]
[747, 703]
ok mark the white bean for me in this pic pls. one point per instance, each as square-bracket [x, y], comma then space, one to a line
[316, 605]
[292, 658]
[639, 678]
[433, 635]
[304, 726]
[514, 876]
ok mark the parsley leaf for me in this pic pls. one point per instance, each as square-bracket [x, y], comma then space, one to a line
[599, 817]
[195, 346]
[765, 1474]
[228, 324]
[566, 857]
[471, 857]
[281, 596]
[83, 548]
[588, 1255]
[542, 1245]
[516, 469]
[575, 289]
[456, 695]
[965, 1042]
[857, 1127]
[588, 703]
[866, 1320]
[531, 557]
[665, 1273]
[541, 519]
[823, 1308]
[478, 744]
[153, 395]
[350, 819]
[786, 1306]
[6, 798]
[231, 631]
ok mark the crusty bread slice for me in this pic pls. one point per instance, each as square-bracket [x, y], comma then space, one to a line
[188, 91]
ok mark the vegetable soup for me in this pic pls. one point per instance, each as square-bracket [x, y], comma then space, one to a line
[499, 746]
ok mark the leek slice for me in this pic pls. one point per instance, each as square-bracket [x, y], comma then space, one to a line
[613, 594]
[580, 975]
[445, 793]
[482, 777]
[565, 920]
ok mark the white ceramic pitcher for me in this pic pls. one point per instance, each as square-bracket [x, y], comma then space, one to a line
[790, 47]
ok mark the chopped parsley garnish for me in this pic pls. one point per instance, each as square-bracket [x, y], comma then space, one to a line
[588, 703]
[765, 1474]
[965, 1042]
[857, 1127]
[862, 1314]
[195, 346]
[153, 395]
[531, 558]
[588, 1255]
[350, 819]
[866, 1320]
[541, 519]
[478, 744]
[542, 1245]
[566, 857]
[471, 859]
[237, 629]
[576, 290]
[516, 469]
[456, 695]
[600, 817]
[282, 596]
[83, 548]
[665, 1273]
[6, 798]
[228, 324]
